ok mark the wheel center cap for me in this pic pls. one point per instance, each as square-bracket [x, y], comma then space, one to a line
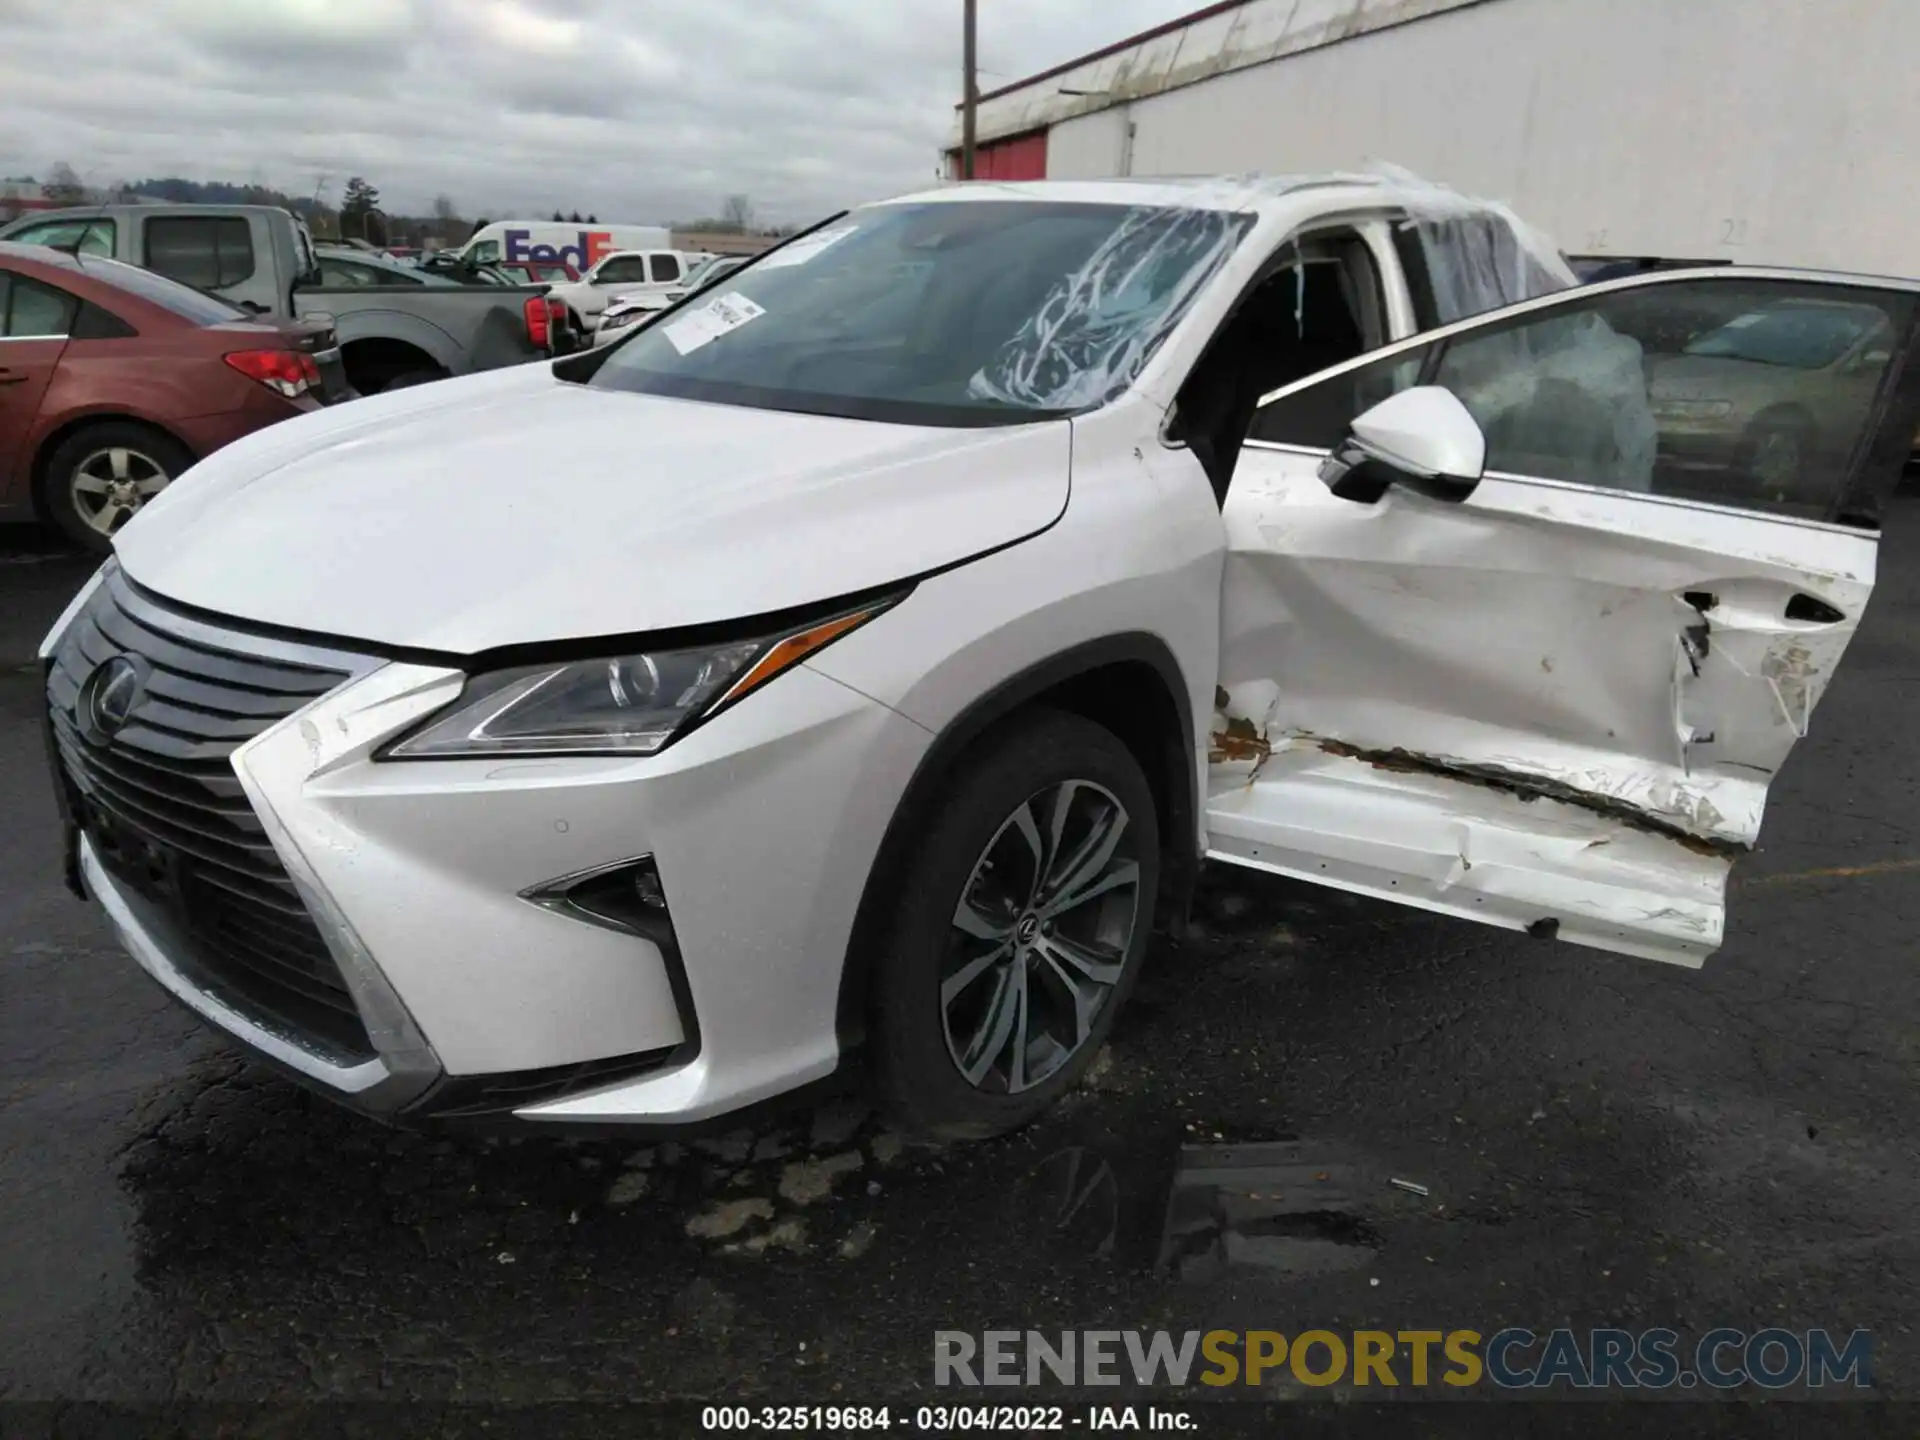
[1028, 927]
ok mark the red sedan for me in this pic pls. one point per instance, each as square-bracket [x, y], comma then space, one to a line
[113, 380]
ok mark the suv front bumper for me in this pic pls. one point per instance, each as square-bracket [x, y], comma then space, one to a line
[420, 877]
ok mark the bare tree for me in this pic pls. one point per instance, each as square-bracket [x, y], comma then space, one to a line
[444, 208]
[63, 186]
[737, 212]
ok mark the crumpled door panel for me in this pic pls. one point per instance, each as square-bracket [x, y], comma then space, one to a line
[1596, 687]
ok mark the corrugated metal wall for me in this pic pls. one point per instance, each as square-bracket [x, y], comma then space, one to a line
[1759, 131]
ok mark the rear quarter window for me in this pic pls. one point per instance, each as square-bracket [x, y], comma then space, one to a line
[206, 252]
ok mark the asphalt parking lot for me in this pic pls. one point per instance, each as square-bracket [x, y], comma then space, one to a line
[1603, 1142]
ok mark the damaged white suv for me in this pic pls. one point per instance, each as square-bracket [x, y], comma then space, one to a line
[866, 656]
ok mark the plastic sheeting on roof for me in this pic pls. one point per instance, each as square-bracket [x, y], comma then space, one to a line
[1540, 387]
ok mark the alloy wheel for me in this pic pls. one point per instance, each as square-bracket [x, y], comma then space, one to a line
[1040, 937]
[110, 484]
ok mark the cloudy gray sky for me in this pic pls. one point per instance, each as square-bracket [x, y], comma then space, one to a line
[637, 110]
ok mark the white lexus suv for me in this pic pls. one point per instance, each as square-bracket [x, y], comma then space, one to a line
[864, 657]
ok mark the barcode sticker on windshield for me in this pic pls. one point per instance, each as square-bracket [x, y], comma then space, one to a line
[799, 252]
[712, 320]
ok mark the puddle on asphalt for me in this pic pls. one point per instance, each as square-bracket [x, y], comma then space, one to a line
[1274, 1206]
[1112, 1183]
[257, 1199]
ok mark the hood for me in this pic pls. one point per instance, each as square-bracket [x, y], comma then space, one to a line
[1708, 377]
[515, 508]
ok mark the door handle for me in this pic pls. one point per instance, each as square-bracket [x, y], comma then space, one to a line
[1812, 610]
[7, 377]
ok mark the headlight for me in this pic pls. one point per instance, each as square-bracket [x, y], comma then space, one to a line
[620, 705]
[624, 317]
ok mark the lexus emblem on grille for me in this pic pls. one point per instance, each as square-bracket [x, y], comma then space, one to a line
[108, 697]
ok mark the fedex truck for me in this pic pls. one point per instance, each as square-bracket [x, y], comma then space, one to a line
[584, 247]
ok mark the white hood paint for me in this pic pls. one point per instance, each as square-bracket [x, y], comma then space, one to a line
[513, 507]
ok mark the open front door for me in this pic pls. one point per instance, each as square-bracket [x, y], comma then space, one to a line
[1557, 703]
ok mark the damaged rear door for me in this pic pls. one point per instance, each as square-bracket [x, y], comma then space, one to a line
[1557, 703]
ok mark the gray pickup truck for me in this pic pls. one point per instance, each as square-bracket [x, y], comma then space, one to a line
[263, 258]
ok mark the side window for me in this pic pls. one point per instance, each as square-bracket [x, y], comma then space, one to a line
[1321, 305]
[487, 252]
[1758, 394]
[630, 270]
[1317, 417]
[337, 273]
[86, 237]
[1468, 265]
[1413, 264]
[31, 310]
[666, 268]
[206, 252]
[93, 323]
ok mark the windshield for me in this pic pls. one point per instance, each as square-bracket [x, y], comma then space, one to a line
[183, 300]
[1800, 337]
[948, 313]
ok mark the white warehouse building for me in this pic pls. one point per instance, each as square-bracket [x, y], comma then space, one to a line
[1754, 131]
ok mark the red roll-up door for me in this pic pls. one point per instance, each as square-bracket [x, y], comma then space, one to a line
[1018, 157]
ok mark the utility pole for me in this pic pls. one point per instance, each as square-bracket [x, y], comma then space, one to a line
[971, 93]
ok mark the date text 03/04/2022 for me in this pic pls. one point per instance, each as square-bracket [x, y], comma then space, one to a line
[944, 1419]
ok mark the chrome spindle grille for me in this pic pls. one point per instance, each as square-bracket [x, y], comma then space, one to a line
[151, 782]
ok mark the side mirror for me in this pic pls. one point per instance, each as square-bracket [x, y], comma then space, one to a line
[1422, 438]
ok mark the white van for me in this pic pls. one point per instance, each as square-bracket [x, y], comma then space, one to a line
[583, 248]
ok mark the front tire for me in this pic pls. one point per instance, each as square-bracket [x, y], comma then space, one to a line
[99, 477]
[1023, 917]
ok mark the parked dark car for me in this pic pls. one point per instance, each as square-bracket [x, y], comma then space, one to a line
[113, 380]
[538, 272]
[345, 269]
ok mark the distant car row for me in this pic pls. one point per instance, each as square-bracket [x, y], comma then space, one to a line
[118, 366]
[135, 340]
[114, 379]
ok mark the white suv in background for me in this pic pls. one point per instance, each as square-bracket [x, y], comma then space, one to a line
[869, 655]
[625, 274]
